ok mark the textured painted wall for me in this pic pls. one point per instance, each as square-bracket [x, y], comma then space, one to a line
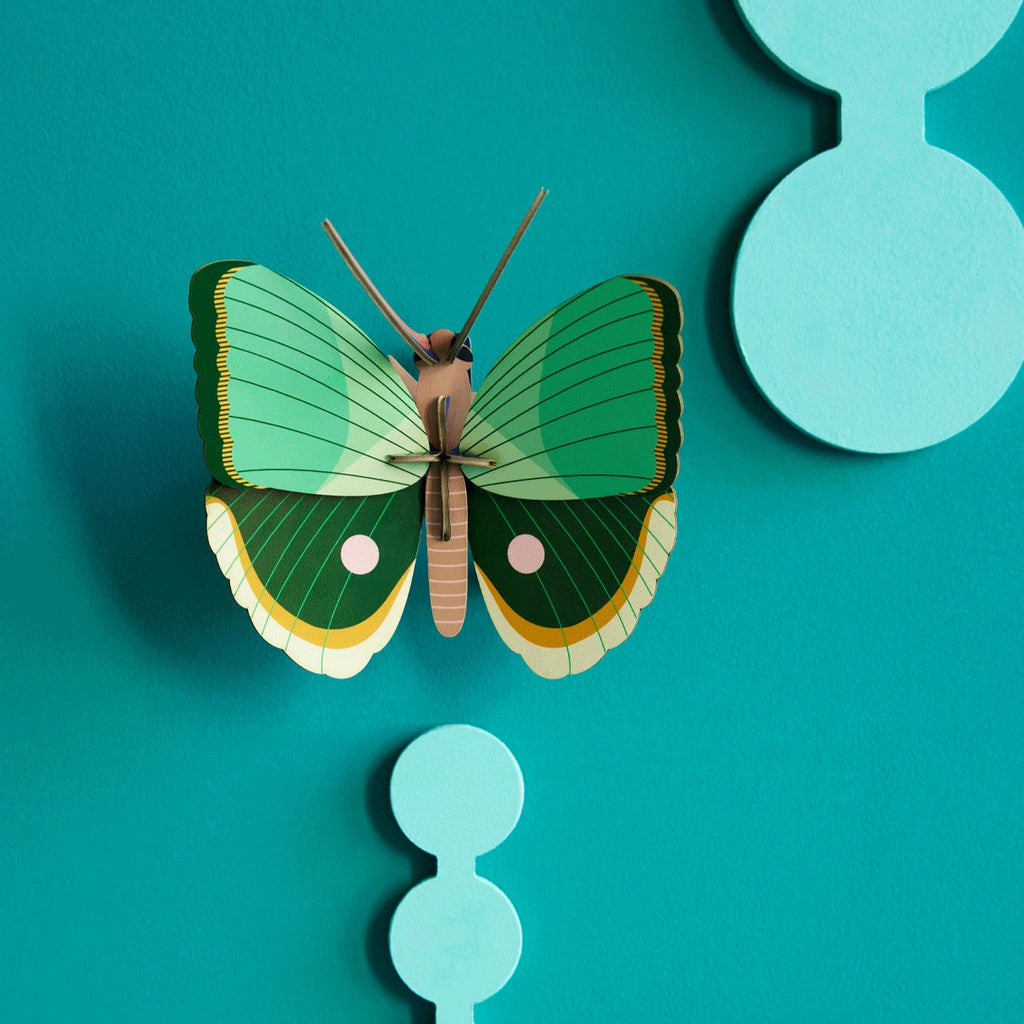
[793, 796]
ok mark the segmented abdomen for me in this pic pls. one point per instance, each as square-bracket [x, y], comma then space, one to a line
[447, 561]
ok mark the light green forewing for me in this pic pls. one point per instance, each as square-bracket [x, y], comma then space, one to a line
[292, 395]
[586, 402]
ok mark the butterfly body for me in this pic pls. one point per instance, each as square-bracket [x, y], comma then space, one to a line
[327, 456]
[443, 393]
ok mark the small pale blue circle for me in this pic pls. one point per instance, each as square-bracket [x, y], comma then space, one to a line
[457, 790]
[455, 939]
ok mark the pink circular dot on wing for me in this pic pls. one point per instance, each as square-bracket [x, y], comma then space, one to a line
[525, 553]
[360, 554]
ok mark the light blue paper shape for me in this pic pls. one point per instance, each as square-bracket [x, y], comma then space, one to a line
[878, 294]
[455, 939]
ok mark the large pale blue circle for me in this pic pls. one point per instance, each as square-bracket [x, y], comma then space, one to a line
[878, 297]
[868, 45]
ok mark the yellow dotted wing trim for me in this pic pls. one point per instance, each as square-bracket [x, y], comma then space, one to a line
[223, 376]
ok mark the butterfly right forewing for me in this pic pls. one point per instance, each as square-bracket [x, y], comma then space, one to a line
[585, 403]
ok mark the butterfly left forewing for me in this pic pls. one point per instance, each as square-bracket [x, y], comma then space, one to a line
[291, 393]
[565, 581]
[325, 578]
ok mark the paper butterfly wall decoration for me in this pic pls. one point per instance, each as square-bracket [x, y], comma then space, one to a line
[327, 456]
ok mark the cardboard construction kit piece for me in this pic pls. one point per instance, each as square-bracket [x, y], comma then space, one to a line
[455, 939]
[878, 296]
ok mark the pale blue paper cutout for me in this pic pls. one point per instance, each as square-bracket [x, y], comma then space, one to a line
[455, 939]
[878, 294]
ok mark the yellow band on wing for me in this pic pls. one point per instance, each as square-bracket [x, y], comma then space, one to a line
[342, 637]
[564, 636]
[657, 359]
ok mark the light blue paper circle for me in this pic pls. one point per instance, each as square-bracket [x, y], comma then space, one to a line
[455, 940]
[457, 791]
[878, 294]
[880, 306]
[866, 46]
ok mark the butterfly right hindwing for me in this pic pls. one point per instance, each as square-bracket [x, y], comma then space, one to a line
[565, 581]
[572, 527]
[324, 578]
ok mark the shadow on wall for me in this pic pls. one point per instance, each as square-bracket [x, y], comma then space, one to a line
[823, 105]
[422, 866]
[123, 448]
[725, 350]
[718, 291]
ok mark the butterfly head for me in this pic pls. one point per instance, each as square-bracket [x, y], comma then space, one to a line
[441, 343]
[446, 378]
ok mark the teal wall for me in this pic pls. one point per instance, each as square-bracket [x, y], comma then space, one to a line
[794, 796]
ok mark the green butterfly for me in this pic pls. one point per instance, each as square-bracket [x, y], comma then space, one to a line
[327, 456]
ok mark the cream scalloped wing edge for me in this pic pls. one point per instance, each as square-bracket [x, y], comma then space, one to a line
[332, 656]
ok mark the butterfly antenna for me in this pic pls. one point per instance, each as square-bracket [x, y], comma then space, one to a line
[460, 338]
[418, 342]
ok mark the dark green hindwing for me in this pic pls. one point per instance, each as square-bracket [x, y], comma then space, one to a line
[282, 553]
[601, 561]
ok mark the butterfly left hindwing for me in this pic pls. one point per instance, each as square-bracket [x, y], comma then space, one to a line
[324, 578]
